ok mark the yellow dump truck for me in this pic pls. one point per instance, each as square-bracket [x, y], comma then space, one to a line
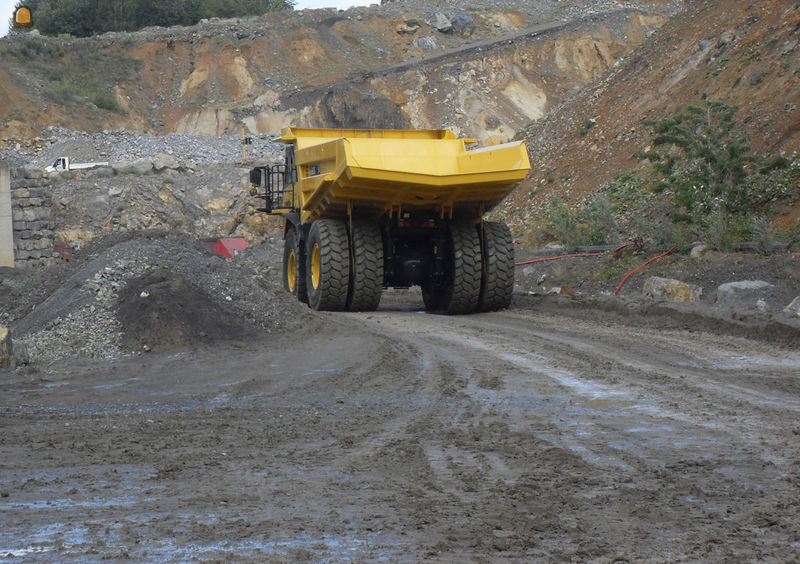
[371, 209]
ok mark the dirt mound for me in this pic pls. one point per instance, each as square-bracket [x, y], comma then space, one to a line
[162, 311]
[95, 306]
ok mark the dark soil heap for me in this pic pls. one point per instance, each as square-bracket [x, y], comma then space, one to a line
[163, 311]
[144, 291]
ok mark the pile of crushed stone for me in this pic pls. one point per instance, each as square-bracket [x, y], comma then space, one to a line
[158, 291]
[121, 146]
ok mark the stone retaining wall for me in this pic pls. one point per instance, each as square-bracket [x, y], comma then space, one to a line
[32, 214]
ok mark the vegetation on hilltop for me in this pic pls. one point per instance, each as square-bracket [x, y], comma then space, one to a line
[83, 18]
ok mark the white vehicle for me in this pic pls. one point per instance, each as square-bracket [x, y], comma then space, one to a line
[63, 163]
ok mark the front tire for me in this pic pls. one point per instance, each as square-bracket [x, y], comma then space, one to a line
[327, 265]
[294, 262]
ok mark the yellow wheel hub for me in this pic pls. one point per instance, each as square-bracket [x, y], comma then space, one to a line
[316, 267]
[291, 272]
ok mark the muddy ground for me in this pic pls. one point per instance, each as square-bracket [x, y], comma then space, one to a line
[563, 429]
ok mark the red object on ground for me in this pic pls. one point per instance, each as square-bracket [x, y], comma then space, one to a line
[64, 251]
[227, 247]
[618, 249]
[556, 258]
[641, 266]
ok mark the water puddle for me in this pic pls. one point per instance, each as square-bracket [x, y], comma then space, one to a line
[376, 546]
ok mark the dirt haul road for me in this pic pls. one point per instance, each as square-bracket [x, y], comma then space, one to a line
[400, 436]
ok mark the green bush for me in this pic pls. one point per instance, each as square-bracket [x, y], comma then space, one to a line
[722, 230]
[704, 162]
[704, 183]
[701, 158]
[762, 234]
[627, 193]
[83, 18]
[61, 92]
[590, 223]
[105, 102]
[586, 124]
[564, 222]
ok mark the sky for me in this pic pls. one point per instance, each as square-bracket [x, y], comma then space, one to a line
[7, 8]
[6, 11]
[341, 4]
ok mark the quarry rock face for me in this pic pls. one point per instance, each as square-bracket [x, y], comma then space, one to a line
[438, 66]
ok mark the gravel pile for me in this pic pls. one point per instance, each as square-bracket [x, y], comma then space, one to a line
[158, 291]
[122, 146]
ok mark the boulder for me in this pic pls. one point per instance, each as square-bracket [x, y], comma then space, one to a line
[462, 21]
[141, 166]
[793, 309]
[672, 290]
[426, 42]
[405, 29]
[698, 251]
[442, 23]
[163, 160]
[6, 350]
[744, 292]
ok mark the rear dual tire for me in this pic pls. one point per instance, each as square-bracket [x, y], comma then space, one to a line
[460, 292]
[497, 280]
[366, 267]
[479, 271]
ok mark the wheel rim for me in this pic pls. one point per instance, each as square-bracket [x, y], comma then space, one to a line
[291, 272]
[315, 267]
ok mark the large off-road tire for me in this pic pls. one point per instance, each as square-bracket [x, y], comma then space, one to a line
[294, 266]
[497, 281]
[327, 265]
[366, 267]
[461, 290]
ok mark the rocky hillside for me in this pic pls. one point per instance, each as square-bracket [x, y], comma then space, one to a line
[485, 71]
[742, 52]
[541, 70]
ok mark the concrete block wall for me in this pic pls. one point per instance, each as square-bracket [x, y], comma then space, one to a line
[33, 224]
[6, 231]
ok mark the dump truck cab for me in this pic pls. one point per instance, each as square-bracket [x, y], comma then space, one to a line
[371, 209]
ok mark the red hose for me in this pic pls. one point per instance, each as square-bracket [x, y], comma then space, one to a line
[618, 249]
[641, 266]
[556, 258]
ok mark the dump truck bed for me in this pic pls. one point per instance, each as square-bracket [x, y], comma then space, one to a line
[379, 170]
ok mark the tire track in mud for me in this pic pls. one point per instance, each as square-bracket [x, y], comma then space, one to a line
[247, 447]
[679, 409]
[701, 371]
[400, 436]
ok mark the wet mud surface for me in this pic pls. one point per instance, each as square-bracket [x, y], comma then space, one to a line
[400, 436]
